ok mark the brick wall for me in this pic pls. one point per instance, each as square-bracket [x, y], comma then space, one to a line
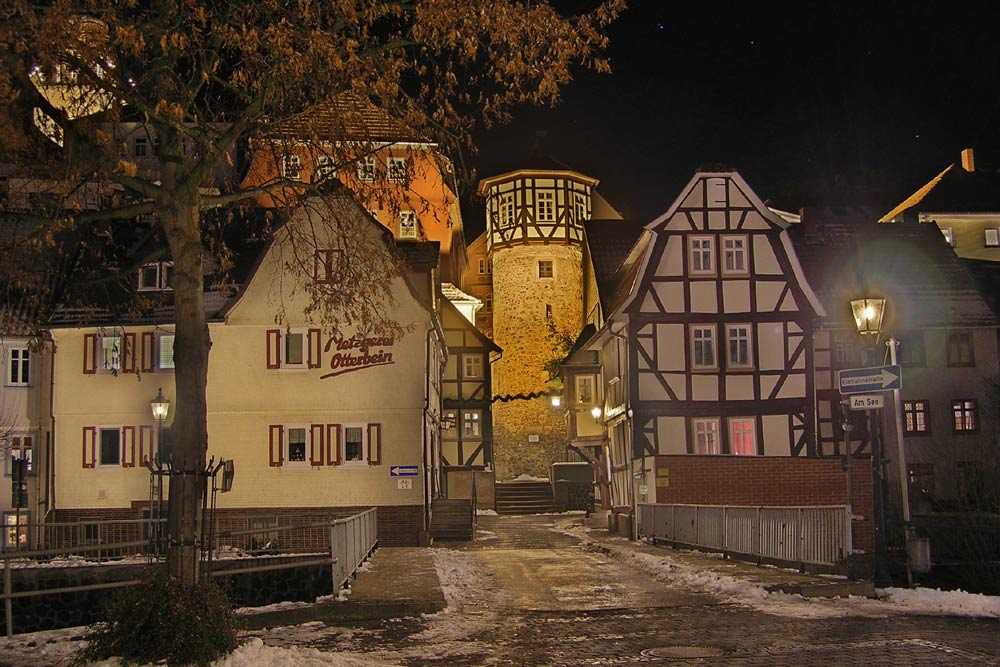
[769, 480]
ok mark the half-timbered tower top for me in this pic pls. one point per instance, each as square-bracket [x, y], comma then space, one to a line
[536, 206]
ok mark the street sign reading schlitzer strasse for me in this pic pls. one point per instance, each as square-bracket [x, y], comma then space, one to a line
[865, 380]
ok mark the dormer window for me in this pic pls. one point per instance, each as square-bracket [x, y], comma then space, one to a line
[395, 169]
[156, 277]
[366, 169]
[291, 167]
[505, 214]
[545, 206]
[140, 147]
[407, 225]
[992, 237]
[324, 168]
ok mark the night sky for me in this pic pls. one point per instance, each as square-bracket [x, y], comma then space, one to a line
[836, 103]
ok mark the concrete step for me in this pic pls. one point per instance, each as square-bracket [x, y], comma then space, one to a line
[451, 519]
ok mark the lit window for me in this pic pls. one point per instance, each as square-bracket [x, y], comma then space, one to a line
[915, 417]
[407, 225]
[702, 255]
[734, 255]
[992, 237]
[738, 346]
[706, 436]
[16, 526]
[743, 436]
[18, 366]
[470, 424]
[354, 444]
[472, 366]
[449, 425]
[291, 167]
[545, 269]
[545, 206]
[21, 449]
[140, 147]
[960, 351]
[325, 168]
[111, 353]
[703, 347]
[366, 169]
[110, 447]
[396, 169]
[166, 351]
[295, 439]
[964, 418]
[585, 389]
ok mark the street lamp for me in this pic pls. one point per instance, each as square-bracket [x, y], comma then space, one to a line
[160, 407]
[596, 412]
[868, 318]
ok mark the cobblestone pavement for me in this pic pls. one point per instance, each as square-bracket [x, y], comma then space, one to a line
[526, 609]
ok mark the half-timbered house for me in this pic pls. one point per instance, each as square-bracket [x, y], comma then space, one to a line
[313, 411]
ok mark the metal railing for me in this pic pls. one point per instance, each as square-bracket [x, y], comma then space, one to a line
[816, 535]
[113, 538]
[344, 544]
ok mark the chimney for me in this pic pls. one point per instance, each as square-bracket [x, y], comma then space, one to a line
[968, 160]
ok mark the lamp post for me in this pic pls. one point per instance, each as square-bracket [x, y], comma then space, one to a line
[868, 315]
[160, 407]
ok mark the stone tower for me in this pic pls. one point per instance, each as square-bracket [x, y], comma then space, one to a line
[534, 233]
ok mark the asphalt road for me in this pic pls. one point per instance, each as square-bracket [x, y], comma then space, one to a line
[539, 598]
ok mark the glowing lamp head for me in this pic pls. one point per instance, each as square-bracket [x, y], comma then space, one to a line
[160, 406]
[556, 400]
[596, 412]
[868, 314]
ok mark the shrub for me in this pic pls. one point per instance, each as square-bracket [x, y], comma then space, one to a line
[159, 620]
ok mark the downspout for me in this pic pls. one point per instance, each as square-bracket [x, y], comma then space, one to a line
[50, 454]
[428, 478]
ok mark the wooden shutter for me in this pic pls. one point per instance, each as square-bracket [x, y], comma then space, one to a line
[89, 446]
[333, 432]
[90, 354]
[274, 348]
[374, 444]
[147, 352]
[128, 446]
[316, 448]
[128, 354]
[277, 444]
[315, 350]
[145, 444]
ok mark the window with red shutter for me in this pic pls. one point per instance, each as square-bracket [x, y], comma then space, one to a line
[276, 444]
[316, 446]
[128, 354]
[147, 351]
[128, 446]
[145, 444]
[333, 444]
[90, 354]
[89, 446]
[374, 444]
[273, 348]
[315, 356]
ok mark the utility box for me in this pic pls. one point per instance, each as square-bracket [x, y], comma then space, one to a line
[920, 555]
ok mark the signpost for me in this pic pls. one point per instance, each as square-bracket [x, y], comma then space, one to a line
[867, 380]
[403, 471]
[866, 401]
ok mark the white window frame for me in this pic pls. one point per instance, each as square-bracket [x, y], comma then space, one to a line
[14, 533]
[396, 169]
[367, 169]
[736, 333]
[949, 235]
[473, 418]
[505, 210]
[100, 463]
[706, 432]
[735, 248]
[700, 250]
[325, 168]
[107, 345]
[363, 461]
[285, 338]
[291, 167]
[161, 273]
[580, 204]
[449, 425]
[472, 366]
[18, 371]
[165, 351]
[991, 237]
[15, 445]
[701, 335]
[408, 225]
[287, 445]
[737, 428]
[545, 206]
[585, 395]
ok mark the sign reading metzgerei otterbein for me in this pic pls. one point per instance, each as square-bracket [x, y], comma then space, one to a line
[357, 353]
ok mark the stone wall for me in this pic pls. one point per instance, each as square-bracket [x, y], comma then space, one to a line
[528, 435]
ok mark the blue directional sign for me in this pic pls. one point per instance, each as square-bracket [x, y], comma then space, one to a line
[864, 380]
[403, 471]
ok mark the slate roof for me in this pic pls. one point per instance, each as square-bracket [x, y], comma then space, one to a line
[954, 190]
[609, 243]
[845, 255]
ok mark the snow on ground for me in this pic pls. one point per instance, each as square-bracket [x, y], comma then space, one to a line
[741, 591]
[486, 512]
[525, 477]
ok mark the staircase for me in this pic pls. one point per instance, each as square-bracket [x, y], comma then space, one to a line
[524, 498]
[451, 519]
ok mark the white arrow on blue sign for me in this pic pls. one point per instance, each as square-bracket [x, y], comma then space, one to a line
[403, 471]
[864, 380]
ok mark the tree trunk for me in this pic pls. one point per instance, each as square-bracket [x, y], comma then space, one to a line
[181, 225]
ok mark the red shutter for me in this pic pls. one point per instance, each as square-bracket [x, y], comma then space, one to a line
[374, 444]
[128, 354]
[128, 446]
[89, 446]
[333, 444]
[147, 352]
[89, 354]
[277, 444]
[315, 359]
[316, 448]
[145, 444]
[274, 348]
